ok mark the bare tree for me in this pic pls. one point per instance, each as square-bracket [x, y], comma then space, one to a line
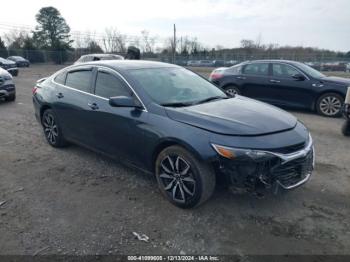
[148, 41]
[15, 38]
[114, 41]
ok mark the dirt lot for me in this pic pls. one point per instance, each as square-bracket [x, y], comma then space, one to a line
[73, 201]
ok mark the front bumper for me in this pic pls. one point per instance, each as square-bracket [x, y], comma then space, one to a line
[282, 172]
[7, 90]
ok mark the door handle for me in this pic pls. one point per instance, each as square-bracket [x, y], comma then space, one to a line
[60, 95]
[241, 77]
[275, 81]
[93, 106]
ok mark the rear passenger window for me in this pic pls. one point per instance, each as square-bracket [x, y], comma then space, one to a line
[80, 80]
[60, 78]
[257, 69]
[108, 85]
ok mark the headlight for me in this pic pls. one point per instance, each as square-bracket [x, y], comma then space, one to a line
[7, 77]
[242, 154]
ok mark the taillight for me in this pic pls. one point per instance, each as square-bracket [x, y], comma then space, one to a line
[215, 76]
[34, 90]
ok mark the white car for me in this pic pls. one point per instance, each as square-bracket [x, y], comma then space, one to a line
[97, 57]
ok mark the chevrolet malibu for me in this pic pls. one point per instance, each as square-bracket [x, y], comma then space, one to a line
[170, 122]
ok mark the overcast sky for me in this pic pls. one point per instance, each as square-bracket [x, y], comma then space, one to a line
[317, 23]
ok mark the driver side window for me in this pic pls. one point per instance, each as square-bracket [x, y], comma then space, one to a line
[108, 85]
[284, 71]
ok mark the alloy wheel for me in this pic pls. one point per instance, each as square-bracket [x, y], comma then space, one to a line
[330, 105]
[177, 178]
[50, 128]
[232, 91]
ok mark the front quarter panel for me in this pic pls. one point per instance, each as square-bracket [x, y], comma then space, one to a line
[161, 131]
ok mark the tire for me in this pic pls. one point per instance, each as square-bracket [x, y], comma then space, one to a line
[232, 90]
[330, 105]
[11, 98]
[193, 187]
[52, 130]
[346, 128]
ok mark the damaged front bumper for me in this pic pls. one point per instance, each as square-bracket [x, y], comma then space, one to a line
[278, 171]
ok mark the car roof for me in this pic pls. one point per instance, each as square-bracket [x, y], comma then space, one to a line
[5, 60]
[129, 64]
[272, 61]
[100, 55]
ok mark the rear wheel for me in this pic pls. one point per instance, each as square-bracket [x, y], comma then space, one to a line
[232, 90]
[52, 129]
[330, 105]
[182, 179]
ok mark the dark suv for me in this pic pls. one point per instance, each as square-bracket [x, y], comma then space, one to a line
[284, 83]
[7, 87]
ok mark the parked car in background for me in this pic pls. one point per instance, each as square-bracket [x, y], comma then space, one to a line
[346, 125]
[231, 62]
[334, 66]
[176, 125]
[205, 63]
[193, 63]
[217, 63]
[20, 61]
[97, 57]
[181, 62]
[9, 65]
[284, 83]
[348, 67]
[7, 86]
[315, 65]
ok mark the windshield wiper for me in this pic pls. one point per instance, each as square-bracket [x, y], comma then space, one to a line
[177, 104]
[211, 99]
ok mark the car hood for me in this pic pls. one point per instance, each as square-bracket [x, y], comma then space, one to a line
[336, 80]
[7, 62]
[236, 116]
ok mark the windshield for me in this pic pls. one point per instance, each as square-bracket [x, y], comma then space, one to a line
[177, 86]
[310, 71]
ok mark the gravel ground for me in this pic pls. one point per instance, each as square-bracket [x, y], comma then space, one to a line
[74, 201]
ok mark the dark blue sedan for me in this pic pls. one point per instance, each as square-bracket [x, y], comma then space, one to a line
[175, 124]
[284, 83]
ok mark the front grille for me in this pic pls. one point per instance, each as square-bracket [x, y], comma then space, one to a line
[292, 172]
[289, 149]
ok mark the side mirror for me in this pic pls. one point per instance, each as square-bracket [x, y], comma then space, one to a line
[299, 77]
[122, 101]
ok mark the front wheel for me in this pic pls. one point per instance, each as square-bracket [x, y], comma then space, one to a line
[52, 129]
[330, 105]
[183, 180]
[232, 90]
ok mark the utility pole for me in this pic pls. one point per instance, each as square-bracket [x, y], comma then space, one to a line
[174, 46]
